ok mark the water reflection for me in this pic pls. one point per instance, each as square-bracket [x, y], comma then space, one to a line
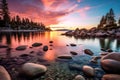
[59, 47]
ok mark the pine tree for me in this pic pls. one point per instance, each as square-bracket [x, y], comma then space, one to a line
[5, 11]
[119, 22]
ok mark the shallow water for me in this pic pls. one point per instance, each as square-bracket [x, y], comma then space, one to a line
[59, 45]
[58, 69]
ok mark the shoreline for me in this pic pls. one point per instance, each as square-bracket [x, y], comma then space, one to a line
[22, 30]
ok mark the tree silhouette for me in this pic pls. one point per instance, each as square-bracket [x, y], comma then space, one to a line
[119, 21]
[5, 12]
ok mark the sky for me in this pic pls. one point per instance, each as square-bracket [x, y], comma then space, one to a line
[67, 14]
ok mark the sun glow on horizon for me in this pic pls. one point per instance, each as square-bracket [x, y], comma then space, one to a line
[63, 13]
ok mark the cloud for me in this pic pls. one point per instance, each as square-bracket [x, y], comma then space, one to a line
[83, 11]
[78, 1]
[46, 11]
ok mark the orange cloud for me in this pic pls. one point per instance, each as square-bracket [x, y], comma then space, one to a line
[45, 11]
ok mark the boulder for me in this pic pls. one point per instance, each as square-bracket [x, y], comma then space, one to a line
[88, 51]
[73, 53]
[23, 47]
[32, 69]
[36, 44]
[88, 71]
[45, 48]
[4, 75]
[110, 65]
[111, 77]
[114, 56]
[79, 77]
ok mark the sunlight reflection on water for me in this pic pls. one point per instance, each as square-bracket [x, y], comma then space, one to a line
[59, 45]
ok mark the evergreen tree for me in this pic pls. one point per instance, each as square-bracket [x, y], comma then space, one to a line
[5, 11]
[119, 21]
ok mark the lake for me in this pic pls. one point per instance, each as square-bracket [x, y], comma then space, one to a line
[58, 69]
[60, 45]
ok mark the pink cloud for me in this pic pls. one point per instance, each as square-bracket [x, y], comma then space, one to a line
[46, 11]
[83, 11]
[78, 1]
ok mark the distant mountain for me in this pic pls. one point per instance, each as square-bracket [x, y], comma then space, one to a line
[62, 30]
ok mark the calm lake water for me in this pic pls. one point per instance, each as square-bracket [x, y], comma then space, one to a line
[59, 43]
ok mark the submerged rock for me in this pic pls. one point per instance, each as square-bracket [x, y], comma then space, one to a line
[50, 41]
[73, 53]
[74, 66]
[36, 44]
[88, 51]
[79, 77]
[45, 48]
[65, 57]
[111, 77]
[4, 75]
[102, 49]
[23, 47]
[73, 44]
[3, 46]
[109, 50]
[89, 71]
[32, 69]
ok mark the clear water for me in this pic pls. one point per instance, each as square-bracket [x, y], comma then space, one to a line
[59, 43]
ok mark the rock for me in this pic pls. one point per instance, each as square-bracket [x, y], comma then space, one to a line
[109, 50]
[30, 47]
[3, 46]
[111, 77]
[79, 77]
[110, 65]
[49, 78]
[50, 41]
[89, 71]
[24, 55]
[65, 57]
[96, 57]
[23, 47]
[114, 56]
[102, 49]
[67, 45]
[33, 70]
[74, 66]
[93, 60]
[4, 75]
[36, 44]
[32, 52]
[50, 45]
[72, 44]
[73, 53]
[88, 51]
[45, 48]
[104, 53]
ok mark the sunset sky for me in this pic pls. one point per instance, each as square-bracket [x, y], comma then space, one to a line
[64, 13]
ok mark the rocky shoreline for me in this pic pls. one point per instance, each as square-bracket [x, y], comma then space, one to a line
[33, 66]
[94, 32]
